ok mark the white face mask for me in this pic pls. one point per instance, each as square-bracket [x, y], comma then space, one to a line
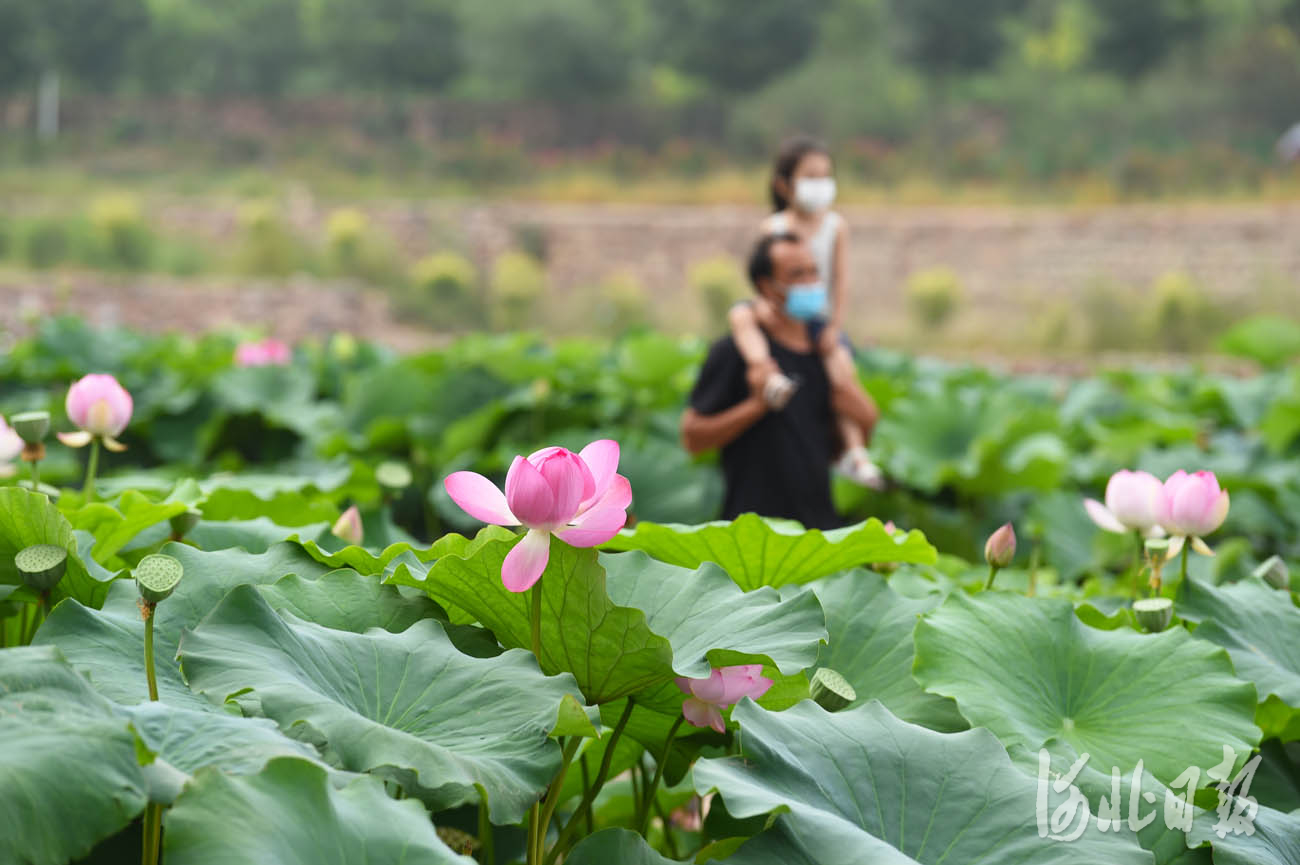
[814, 194]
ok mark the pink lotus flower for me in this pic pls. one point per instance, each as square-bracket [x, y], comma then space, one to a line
[348, 526]
[1193, 506]
[101, 408]
[267, 352]
[1000, 548]
[580, 498]
[1133, 503]
[707, 698]
[11, 446]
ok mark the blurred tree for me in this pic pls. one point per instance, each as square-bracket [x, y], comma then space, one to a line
[397, 43]
[555, 50]
[736, 45]
[236, 46]
[1134, 37]
[942, 37]
[88, 41]
[16, 34]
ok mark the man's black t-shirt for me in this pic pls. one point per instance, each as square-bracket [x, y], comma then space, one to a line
[779, 467]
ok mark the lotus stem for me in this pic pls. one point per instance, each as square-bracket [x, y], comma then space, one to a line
[1182, 570]
[566, 834]
[147, 610]
[152, 834]
[92, 465]
[653, 787]
[1137, 564]
[993, 572]
[533, 820]
[535, 620]
[553, 794]
[36, 475]
[485, 839]
[586, 785]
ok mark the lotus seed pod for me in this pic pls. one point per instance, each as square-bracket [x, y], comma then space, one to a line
[1154, 614]
[42, 566]
[830, 690]
[1274, 572]
[32, 426]
[184, 522]
[157, 576]
[393, 475]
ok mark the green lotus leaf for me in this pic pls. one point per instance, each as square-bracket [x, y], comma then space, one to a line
[256, 535]
[763, 552]
[609, 649]
[870, 644]
[108, 645]
[347, 601]
[28, 519]
[863, 786]
[620, 846]
[116, 525]
[290, 814]
[1036, 676]
[1275, 839]
[68, 765]
[1260, 628]
[408, 706]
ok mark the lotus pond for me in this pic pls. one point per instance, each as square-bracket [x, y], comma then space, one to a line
[258, 611]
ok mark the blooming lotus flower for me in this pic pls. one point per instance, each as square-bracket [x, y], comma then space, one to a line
[722, 689]
[1193, 506]
[348, 526]
[267, 352]
[580, 498]
[101, 408]
[11, 445]
[1133, 503]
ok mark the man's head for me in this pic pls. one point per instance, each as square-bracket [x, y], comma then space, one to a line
[778, 262]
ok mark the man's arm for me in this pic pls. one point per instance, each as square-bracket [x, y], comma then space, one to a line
[705, 432]
[856, 405]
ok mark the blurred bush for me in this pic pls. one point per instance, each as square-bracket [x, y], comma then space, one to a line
[354, 248]
[1269, 340]
[518, 282]
[1182, 316]
[444, 290]
[719, 283]
[622, 303]
[46, 242]
[267, 247]
[120, 236]
[933, 295]
[1111, 318]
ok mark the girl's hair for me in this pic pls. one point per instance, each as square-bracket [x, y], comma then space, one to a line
[787, 160]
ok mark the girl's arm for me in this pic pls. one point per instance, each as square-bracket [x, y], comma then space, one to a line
[839, 287]
[745, 331]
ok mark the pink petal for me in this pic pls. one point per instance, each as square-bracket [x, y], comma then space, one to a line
[78, 439]
[528, 495]
[1192, 506]
[701, 714]
[594, 528]
[1175, 547]
[745, 680]
[1101, 515]
[710, 689]
[601, 458]
[1172, 485]
[684, 684]
[525, 563]
[569, 479]
[480, 498]
[1220, 512]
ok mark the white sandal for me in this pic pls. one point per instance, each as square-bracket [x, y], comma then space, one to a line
[778, 390]
[857, 466]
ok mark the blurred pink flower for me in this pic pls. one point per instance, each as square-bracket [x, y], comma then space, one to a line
[580, 498]
[1000, 548]
[1193, 506]
[1133, 502]
[707, 698]
[348, 526]
[267, 352]
[11, 446]
[100, 407]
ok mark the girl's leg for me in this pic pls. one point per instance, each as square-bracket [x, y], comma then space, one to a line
[856, 462]
[777, 388]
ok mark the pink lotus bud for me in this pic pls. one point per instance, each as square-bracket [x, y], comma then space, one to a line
[267, 352]
[1133, 502]
[98, 405]
[1194, 505]
[723, 688]
[580, 498]
[1000, 548]
[348, 526]
[11, 444]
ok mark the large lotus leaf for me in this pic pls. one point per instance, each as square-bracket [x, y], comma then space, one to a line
[871, 645]
[190, 740]
[609, 649]
[406, 705]
[69, 775]
[610, 846]
[362, 560]
[290, 814]
[28, 518]
[1036, 676]
[255, 536]
[108, 645]
[705, 616]
[1275, 839]
[762, 552]
[116, 525]
[1260, 628]
[348, 601]
[863, 786]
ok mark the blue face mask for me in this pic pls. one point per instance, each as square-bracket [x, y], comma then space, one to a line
[806, 301]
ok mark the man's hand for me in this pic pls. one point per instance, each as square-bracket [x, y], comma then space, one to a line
[828, 340]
